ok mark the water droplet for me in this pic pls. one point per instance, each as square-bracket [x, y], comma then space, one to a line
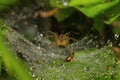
[119, 44]
[57, 2]
[33, 75]
[97, 46]
[38, 47]
[106, 76]
[16, 57]
[116, 36]
[52, 55]
[97, 61]
[65, 3]
[31, 68]
[37, 79]
[41, 35]
[36, 26]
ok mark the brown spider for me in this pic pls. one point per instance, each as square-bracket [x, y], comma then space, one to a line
[62, 39]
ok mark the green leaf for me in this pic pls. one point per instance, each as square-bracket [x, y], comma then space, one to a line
[8, 2]
[57, 3]
[4, 4]
[112, 14]
[93, 11]
[112, 19]
[70, 3]
[84, 2]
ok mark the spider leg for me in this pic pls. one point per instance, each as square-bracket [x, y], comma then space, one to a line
[73, 39]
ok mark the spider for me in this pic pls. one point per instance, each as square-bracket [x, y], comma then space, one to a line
[62, 40]
[69, 58]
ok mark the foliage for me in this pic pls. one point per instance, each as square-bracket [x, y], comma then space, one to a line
[4, 4]
[0, 64]
[13, 65]
[93, 9]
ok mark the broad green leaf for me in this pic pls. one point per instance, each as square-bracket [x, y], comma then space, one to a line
[4, 4]
[84, 2]
[93, 11]
[8, 2]
[69, 3]
[58, 3]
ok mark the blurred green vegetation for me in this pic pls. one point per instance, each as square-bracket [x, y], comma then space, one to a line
[13, 65]
[95, 9]
[5, 4]
[0, 64]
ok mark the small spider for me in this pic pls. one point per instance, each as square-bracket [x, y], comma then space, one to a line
[62, 40]
[69, 58]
